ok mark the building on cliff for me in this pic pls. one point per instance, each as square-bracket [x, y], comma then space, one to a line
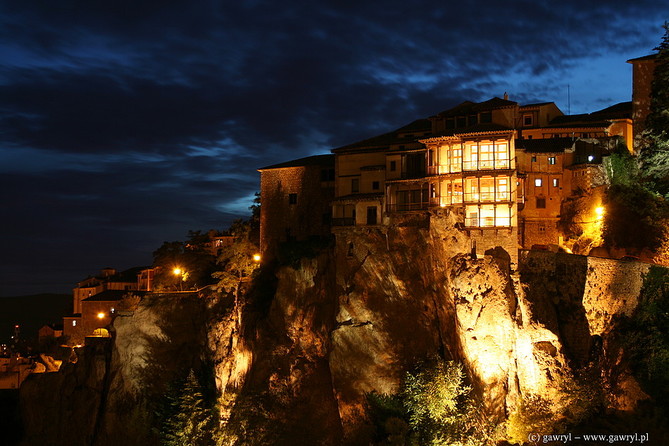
[295, 199]
[503, 168]
[643, 71]
[95, 300]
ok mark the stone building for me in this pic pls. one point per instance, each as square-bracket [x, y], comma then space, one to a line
[98, 295]
[643, 69]
[504, 169]
[295, 199]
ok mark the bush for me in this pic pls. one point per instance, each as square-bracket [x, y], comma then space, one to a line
[434, 407]
[646, 336]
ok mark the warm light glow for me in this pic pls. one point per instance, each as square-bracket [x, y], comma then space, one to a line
[101, 315]
[177, 271]
[256, 257]
[599, 210]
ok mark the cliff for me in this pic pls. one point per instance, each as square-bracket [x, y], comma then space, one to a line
[295, 361]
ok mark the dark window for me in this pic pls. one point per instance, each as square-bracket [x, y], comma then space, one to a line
[393, 166]
[528, 120]
[541, 203]
[462, 121]
[415, 165]
[534, 159]
[450, 123]
[355, 185]
[327, 218]
[472, 120]
[292, 198]
[371, 215]
[327, 175]
[375, 185]
[486, 117]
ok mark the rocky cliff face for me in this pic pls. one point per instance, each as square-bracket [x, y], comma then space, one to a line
[293, 364]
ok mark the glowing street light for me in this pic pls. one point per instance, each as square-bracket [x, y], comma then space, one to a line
[101, 315]
[599, 211]
[256, 257]
[180, 273]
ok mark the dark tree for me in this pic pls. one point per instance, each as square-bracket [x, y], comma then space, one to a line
[184, 265]
[654, 154]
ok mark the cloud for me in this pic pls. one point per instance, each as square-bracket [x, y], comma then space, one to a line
[125, 124]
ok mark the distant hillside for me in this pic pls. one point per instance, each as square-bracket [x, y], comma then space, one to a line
[31, 312]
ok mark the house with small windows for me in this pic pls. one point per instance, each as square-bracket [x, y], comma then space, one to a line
[503, 168]
[295, 199]
[95, 300]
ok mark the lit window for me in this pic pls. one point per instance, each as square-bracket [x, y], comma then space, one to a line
[74, 323]
[534, 159]
[551, 160]
[590, 158]
[292, 198]
[112, 310]
[556, 182]
[537, 182]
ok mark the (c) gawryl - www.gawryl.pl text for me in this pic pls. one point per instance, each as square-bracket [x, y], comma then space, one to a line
[606, 438]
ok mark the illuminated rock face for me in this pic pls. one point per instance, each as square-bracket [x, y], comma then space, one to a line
[309, 346]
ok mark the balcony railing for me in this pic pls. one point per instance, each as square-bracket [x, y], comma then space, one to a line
[487, 197]
[487, 222]
[345, 221]
[407, 207]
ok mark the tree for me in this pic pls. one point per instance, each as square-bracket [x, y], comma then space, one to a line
[635, 218]
[193, 259]
[654, 155]
[187, 419]
[237, 261]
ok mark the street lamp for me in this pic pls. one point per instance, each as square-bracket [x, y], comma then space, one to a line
[180, 276]
[256, 258]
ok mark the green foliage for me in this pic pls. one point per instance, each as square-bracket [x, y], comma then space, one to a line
[533, 415]
[577, 401]
[654, 145]
[434, 407]
[646, 336]
[191, 256]
[635, 218]
[187, 418]
[621, 168]
[236, 261]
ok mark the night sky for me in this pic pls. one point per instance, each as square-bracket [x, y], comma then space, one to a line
[124, 124]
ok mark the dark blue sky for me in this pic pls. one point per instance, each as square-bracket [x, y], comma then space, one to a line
[126, 124]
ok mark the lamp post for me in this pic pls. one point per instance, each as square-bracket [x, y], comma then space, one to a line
[180, 274]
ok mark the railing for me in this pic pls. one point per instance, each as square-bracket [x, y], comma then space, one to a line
[485, 165]
[484, 197]
[487, 222]
[406, 207]
[345, 221]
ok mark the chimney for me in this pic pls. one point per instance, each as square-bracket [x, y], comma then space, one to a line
[506, 96]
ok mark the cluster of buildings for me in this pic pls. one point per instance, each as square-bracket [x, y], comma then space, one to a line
[504, 169]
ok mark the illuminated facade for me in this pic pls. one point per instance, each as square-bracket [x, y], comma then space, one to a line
[502, 168]
[100, 295]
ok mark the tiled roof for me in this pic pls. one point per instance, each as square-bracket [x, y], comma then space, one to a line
[469, 107]
[316, 160]
[648, 57]
[544, 145]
